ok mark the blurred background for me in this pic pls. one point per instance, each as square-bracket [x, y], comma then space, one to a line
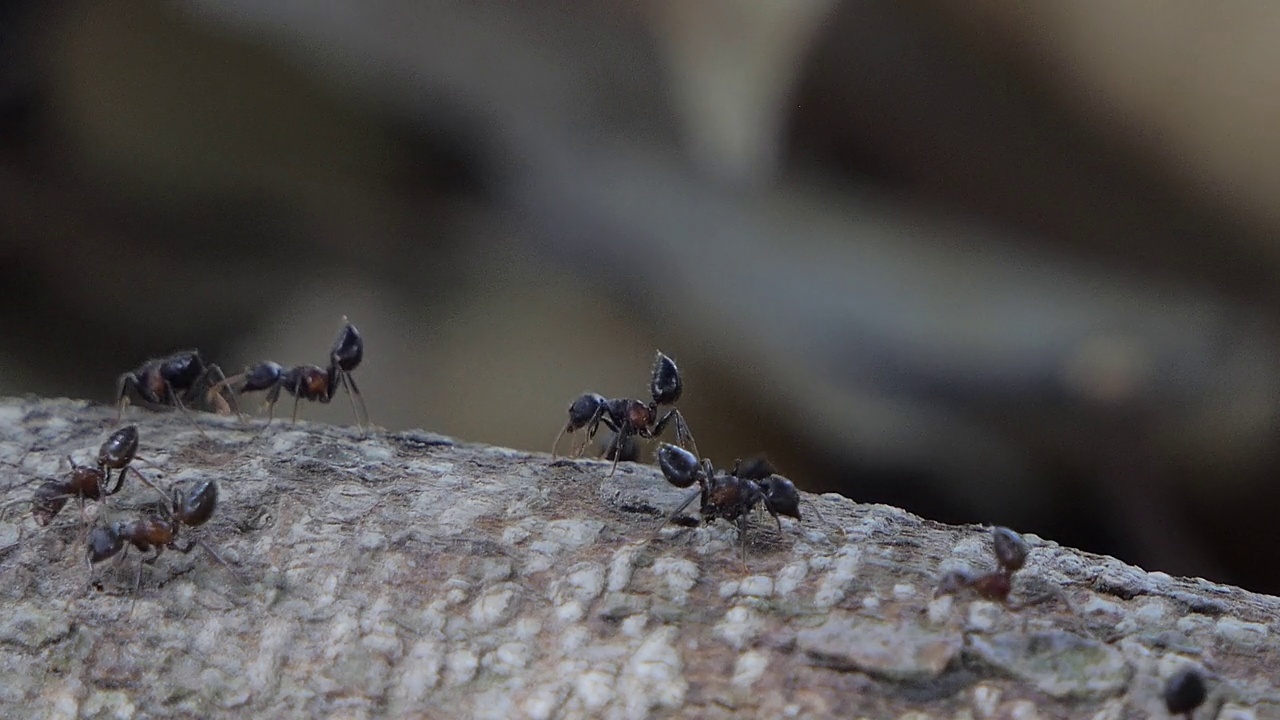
[986, 261]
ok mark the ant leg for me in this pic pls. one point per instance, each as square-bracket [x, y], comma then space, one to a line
[769, 506]
[567, 428]
[177, 402]
[590, 429]
[742, 538]
[671, 518]
[273, 395]
[353, 394]
[684, 438]
[214, 554]
[122, 393]
[618, 439]
[296, 400]
[222, 405]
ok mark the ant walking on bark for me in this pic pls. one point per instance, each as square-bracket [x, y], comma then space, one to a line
[629, 417]
[730, 496]
[176, 380]
[157, 532]
[1010, 552]
[307, 382]
[85, 482]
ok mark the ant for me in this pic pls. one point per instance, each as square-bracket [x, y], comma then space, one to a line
[1010, 551]
[307, 382]
[156, 532]
[629, 417]
[86, 482]
[733, 495]
[170, 379]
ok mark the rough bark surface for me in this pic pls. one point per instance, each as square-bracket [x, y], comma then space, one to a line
[406, 574]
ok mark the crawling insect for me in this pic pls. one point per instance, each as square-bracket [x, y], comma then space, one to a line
[86, 482]
[177, 380]
[306, 382]
[629, 417]
[729, 496]
[1010, 552]
[157, 532]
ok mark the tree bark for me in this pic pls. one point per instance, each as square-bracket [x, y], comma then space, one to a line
[410, 575]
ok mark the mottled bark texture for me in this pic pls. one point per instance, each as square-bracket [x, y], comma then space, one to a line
[410, 575]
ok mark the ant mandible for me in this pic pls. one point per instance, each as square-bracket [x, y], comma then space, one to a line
[155, 532]
[170, 379]
[733, 495]
[628, 417]
[307, 382]
[1010, 551]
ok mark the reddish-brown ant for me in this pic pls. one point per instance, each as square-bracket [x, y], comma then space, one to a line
[176, 379]
[86, 482]
[307, 382]
[629, 417]
[733, 495]
[1010, 551]
[158, 532]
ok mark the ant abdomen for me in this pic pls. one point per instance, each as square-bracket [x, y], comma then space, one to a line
[262, 376]
[679, 466]
[104, 542]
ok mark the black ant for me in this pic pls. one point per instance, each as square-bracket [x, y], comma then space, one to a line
[628, 417]
[307, 382]
[171, 379]
[158, 532]
[733, 495]
[1010, 551]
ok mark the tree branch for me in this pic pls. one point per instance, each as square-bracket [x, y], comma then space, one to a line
[406, 574]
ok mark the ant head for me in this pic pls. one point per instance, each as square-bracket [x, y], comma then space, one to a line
[582, 410]
[665, 384]
[1184, 691]
[1011, 550]
[119, 448]
[348, 348]
[756, 468]
[678, 465]
[104, 542]
[196, 505]
[781, 495]
[953, 582]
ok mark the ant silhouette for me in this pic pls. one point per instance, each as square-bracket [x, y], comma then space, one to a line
[307, 382]
[629, 417]
[171, 379]
[157, 532]
[1010, 551]
[85, 482]
[729, 496]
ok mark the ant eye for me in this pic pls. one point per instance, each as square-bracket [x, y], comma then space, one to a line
[678, 465]
[1010, 549]
[665, 384]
